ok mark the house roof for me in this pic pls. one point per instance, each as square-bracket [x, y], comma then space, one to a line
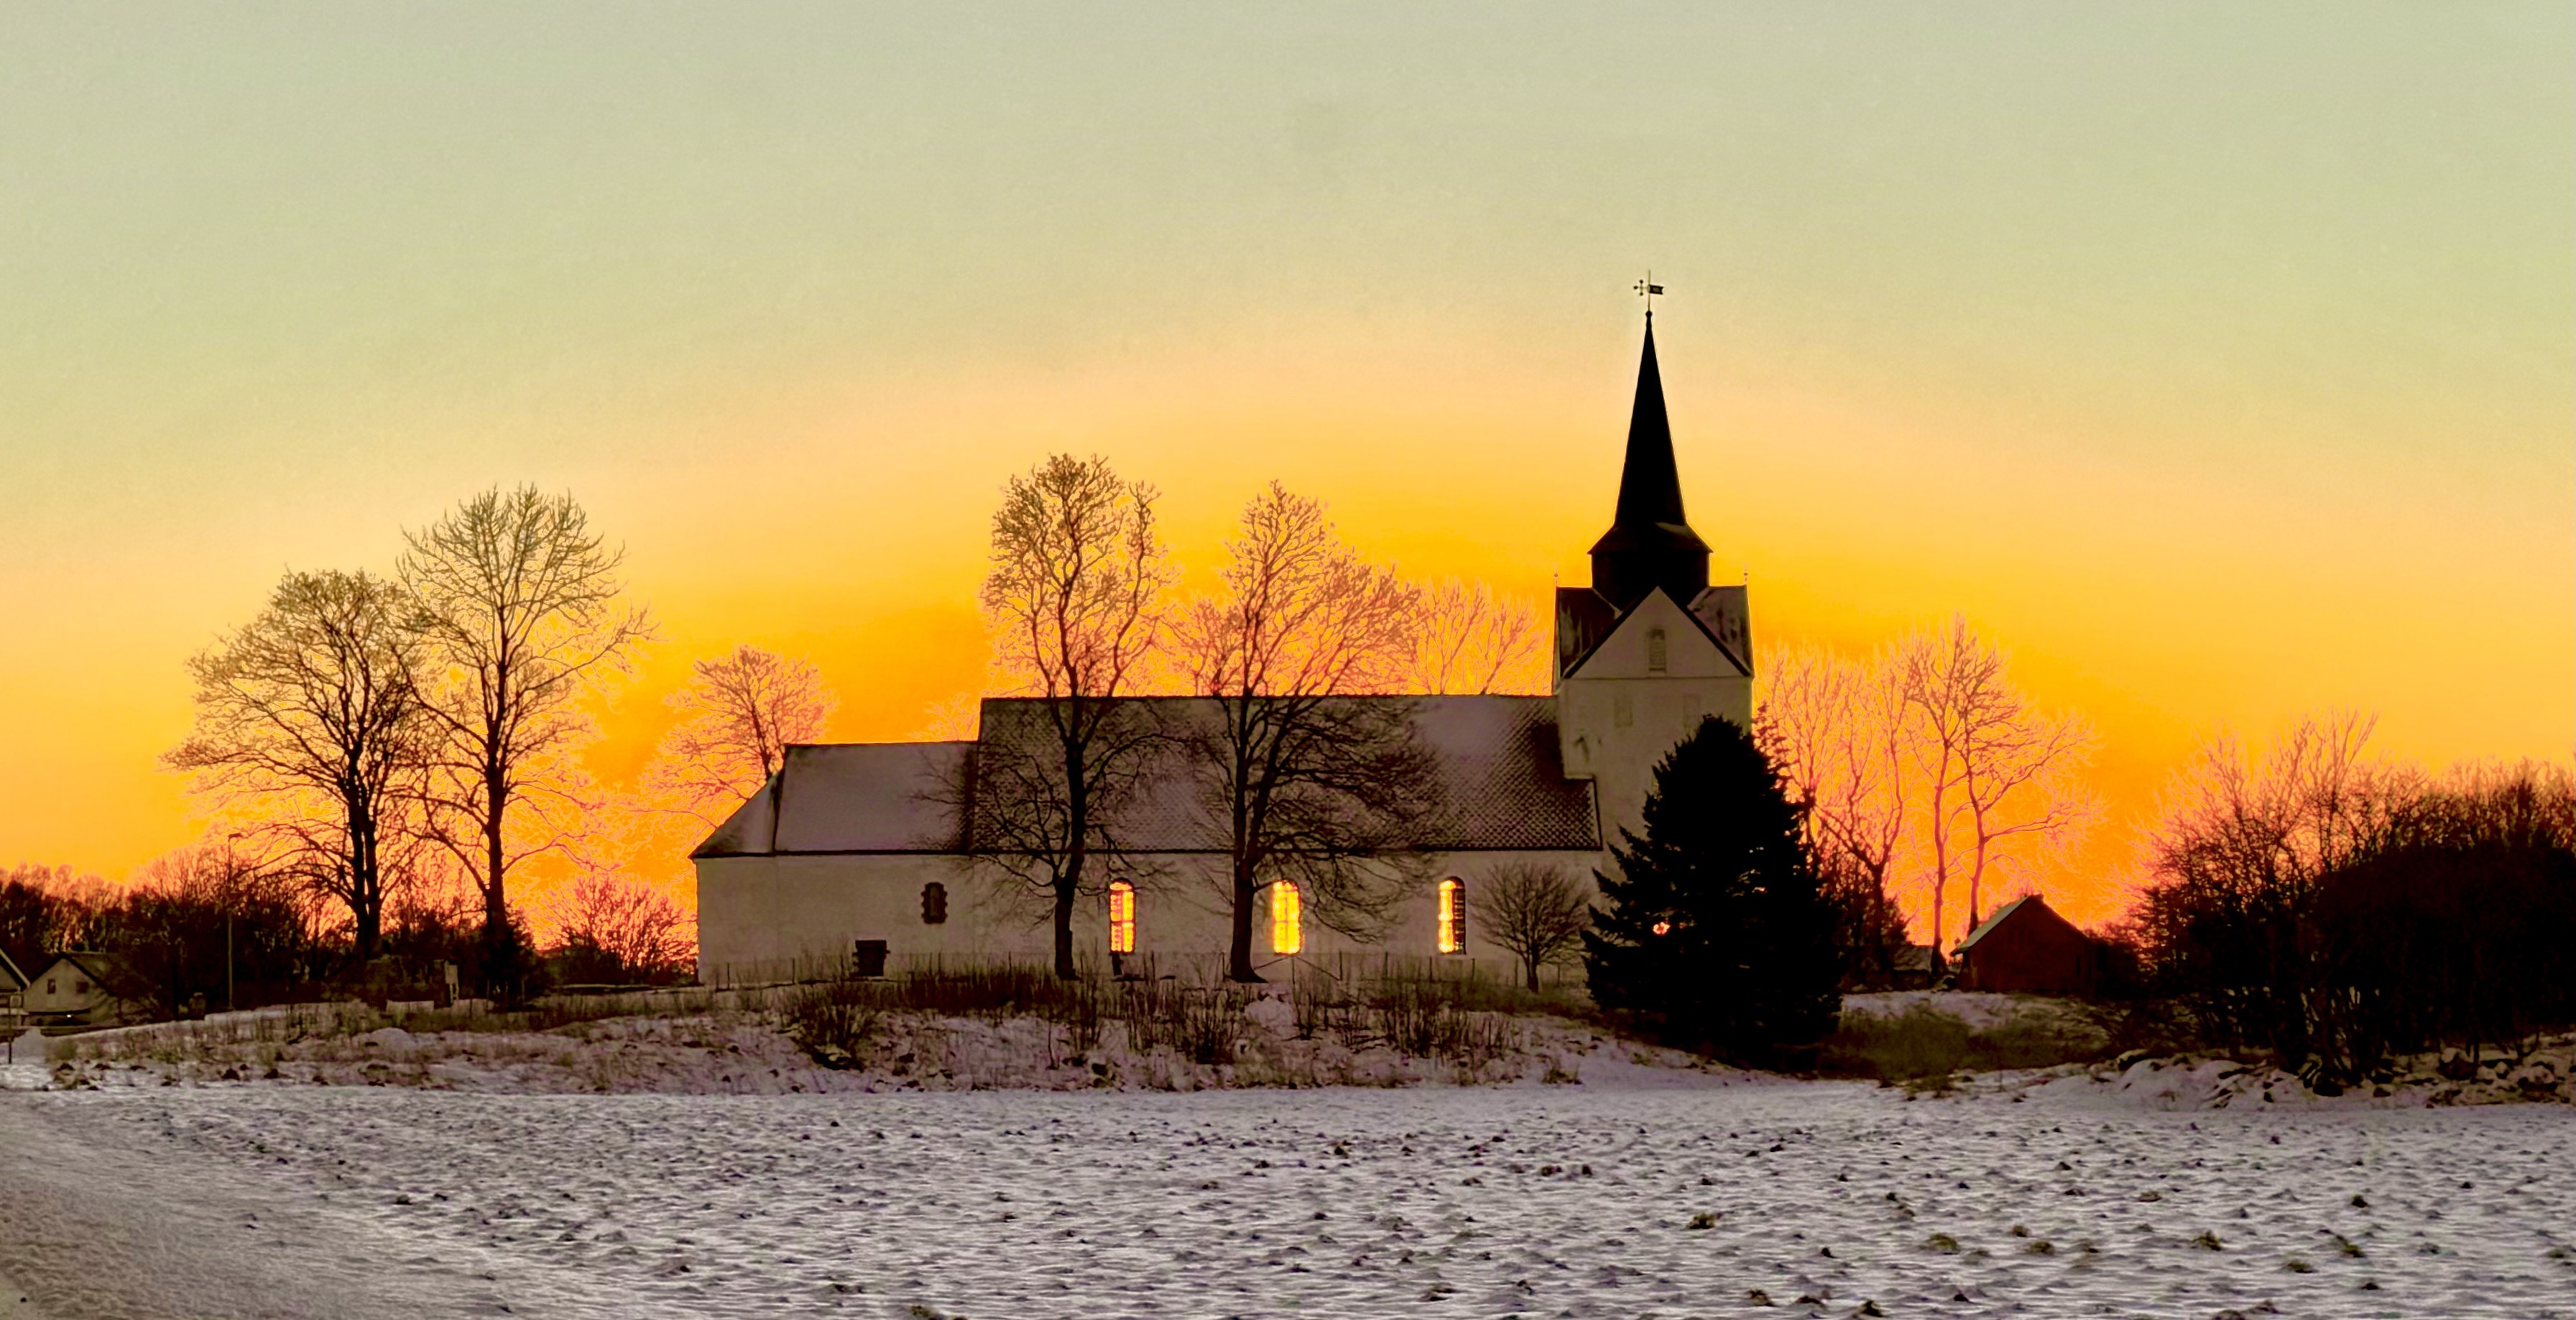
[1496, 760]
[98, 967]
[10, 976]
[2038, 905]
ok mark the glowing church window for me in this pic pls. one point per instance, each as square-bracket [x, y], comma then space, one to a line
[1287, 919]
[1453, 915]
[1122, 917]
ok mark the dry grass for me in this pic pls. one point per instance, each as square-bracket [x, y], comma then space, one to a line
[1304, 1030]
[1923, 1047]
[1462, 1022]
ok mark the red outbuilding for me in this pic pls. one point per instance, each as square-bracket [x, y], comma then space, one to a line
[2027, 948]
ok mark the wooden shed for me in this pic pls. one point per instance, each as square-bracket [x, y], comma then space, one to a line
[2025, 947]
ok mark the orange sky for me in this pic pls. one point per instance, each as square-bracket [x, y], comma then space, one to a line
[2217, 364]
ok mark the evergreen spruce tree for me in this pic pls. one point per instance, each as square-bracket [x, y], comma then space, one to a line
[1717, 935]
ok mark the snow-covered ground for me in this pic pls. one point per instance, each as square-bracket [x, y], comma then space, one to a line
[1981, 1010]
[1821, 1198]
[749, 1053]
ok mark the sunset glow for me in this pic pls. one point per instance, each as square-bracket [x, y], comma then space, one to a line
[2215, 364]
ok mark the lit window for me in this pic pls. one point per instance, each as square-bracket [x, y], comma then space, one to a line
[1122, 917]
[1287, 919]
[1655, 650]
[1453, 915]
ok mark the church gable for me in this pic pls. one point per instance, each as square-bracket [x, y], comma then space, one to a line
[1658, 639]
[1728, 616]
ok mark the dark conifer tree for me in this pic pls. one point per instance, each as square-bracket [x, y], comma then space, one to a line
[1716, 934]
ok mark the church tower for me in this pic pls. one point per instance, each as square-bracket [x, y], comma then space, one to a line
[1649, 544]
[1650, 648]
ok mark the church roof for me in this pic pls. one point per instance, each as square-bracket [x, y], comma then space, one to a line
[850, 798]
[1496, 757]
[1649, 514]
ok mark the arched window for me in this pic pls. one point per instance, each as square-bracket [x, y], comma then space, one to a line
[1453, 915]
[1655, 650]
[1287, 918]
[934, 904]
[1122, 917]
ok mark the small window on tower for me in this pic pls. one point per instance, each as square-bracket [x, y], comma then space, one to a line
[1453, 915]
[1287, 919]
[1655, 655]
[1122, 917]
[934, 904]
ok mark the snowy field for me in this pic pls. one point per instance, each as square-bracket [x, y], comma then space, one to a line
[1823, 1199]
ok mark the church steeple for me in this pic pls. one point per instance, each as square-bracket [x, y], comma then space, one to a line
[1649, 544]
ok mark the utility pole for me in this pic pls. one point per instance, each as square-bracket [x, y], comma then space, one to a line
[228, 962]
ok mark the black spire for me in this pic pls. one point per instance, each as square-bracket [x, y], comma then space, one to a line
[1649, 544]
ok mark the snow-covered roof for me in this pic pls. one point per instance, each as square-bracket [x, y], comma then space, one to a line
[1498, 776]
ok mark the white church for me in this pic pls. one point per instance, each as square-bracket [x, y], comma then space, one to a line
[864, 851]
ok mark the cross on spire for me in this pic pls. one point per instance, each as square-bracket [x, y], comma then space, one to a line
[1649, 290]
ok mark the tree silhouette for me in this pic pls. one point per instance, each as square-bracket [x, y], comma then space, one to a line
[1715, 935]
[1308, 783]
[1075, 599]
[739, 713]
[1536, 910]
[312, 713]
[518, 601]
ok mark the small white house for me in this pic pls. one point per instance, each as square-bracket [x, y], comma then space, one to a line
[74, 989]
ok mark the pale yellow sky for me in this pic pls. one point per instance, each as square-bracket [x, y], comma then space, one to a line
[2218, 362]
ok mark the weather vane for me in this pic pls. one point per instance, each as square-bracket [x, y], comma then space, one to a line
[1647, 289]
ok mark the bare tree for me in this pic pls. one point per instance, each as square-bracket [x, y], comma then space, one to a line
[311, 714]
[1309, 785]
[1470, 638]
[518, 601]
[618, 927]
[45, 909]
[1997, 770]
[2236, 862]
[1075, 601]
[952, 718]
[739, 713]
[1842, 736]
[1537, 911]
